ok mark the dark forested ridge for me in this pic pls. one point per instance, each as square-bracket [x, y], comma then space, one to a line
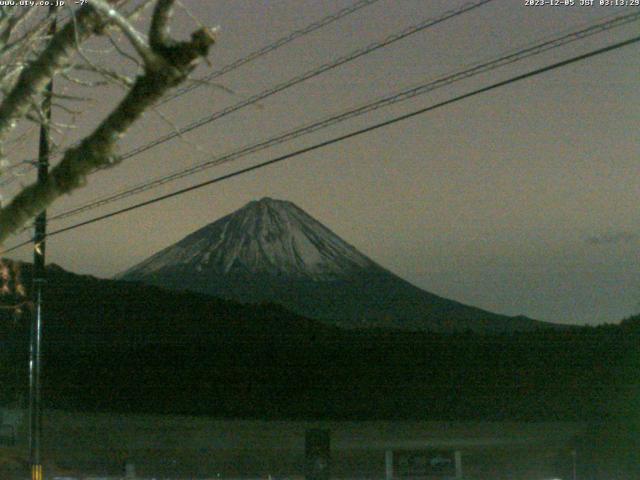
[273, 251]
[114, 346]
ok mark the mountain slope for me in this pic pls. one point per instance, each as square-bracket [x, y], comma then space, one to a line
[264, 237]
[86, 312]
[272, 251]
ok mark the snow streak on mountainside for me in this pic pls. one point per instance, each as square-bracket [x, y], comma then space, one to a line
[272, 251]
[265, 237]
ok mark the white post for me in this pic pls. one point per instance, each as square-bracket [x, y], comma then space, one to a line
[129, 470]
[388, 461]
[458, 459]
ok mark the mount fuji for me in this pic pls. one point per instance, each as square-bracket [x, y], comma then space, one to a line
[273, 251]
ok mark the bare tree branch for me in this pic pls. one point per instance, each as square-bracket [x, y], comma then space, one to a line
[169, 65]
[119, 49]
[159, 34]
[137, 40]
[36, 75]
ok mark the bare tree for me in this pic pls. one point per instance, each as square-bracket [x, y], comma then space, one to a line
[29, 57]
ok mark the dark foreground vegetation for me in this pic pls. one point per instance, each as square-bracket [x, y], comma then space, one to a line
[111, 346]
[114, 346]
[577, 376]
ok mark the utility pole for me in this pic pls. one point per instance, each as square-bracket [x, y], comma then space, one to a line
[39, 279]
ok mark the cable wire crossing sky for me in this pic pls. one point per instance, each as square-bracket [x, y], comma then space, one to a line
[510, 184]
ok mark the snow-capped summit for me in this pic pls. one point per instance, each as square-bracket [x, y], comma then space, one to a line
[266, 236]
[273, 251]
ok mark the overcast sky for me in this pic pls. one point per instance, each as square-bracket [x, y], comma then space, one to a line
[523, 200]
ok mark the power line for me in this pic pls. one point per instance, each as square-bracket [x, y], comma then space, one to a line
[271, 47]
[307, 75]
[312, 27]
[347, 136]
[445, 80]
